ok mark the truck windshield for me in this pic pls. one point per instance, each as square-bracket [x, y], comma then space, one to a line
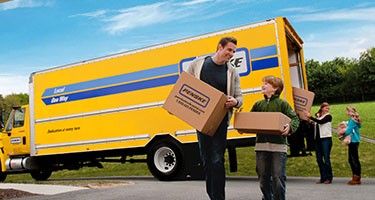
[19, 118]
[16, 119]
[9, 124]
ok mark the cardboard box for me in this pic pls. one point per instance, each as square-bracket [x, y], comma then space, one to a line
[197, 103]
[260, 122]
[303, 100]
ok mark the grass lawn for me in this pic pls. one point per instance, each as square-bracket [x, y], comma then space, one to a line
[307, 166]
[298, 166]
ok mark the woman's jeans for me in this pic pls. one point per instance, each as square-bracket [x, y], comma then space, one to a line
[270, 167]
[323, 158]
[212, 150]
[353, 158]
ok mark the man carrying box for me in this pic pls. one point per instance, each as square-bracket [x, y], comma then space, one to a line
[218, 72]
[271, 149]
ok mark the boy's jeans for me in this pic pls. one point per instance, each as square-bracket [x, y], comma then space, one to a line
[270, 167]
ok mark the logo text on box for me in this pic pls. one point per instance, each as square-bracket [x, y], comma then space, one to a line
[194, 95]
[300, 100]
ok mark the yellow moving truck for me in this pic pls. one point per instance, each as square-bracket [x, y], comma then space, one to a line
[110, 108]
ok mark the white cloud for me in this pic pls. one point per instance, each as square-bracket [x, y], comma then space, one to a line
[139, 16]
[299, 9]
[11, 83]
[357, 14]
[15, 4]
[95, 14]
[350, 43]
[118, 21]
[195, 2]
[342, 41]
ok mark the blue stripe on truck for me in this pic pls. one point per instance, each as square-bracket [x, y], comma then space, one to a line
[168, 80]
[144, 74]
[263, 52]
[144, 79]
[265, 63]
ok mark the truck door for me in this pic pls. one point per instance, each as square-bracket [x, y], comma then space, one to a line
[15, 141]
[299, 80]
[296, 65]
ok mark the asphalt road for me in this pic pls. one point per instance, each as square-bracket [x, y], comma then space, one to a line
[237, 188]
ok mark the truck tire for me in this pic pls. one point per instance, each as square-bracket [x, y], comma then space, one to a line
[41, 175]
[165, 161]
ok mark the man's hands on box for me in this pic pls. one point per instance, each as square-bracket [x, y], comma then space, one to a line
[231, 102]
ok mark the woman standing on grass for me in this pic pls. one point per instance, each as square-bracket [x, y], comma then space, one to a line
[352, 130]
[323, 142]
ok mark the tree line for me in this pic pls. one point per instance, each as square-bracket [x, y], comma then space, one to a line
[9, 101]
[343, 79]
[339, 80]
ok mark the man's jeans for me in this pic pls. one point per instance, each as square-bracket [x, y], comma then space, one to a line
[212, 154]
[270, 167]
[323, 154]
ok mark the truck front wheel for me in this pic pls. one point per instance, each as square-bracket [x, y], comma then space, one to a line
[41, 175]
[165, 161]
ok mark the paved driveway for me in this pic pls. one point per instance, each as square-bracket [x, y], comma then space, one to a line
[237, 188]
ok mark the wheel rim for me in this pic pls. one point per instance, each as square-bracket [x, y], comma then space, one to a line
[165, 160]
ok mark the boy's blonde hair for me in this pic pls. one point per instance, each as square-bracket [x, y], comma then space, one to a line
[276, 82]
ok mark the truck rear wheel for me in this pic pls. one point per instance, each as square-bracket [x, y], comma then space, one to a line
[165, 161]
[41, 175]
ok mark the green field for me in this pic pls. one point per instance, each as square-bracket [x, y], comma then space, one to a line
[298, 166]
[307, 166]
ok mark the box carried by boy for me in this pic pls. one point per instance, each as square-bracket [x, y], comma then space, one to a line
[260, 122]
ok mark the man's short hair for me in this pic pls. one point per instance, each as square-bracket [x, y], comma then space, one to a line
[276, 82]
[225, 40]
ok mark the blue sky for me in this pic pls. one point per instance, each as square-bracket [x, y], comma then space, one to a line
[39, 34]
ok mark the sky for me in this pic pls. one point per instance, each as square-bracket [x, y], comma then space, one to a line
[40, 34]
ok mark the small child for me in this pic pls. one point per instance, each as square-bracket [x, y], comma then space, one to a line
[341, 128]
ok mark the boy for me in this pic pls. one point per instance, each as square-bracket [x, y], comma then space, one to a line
[271, 150]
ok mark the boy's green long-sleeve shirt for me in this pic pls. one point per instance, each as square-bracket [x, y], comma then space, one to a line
[270, 142]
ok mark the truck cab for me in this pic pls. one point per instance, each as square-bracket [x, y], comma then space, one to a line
[15, 146]
[15, 135]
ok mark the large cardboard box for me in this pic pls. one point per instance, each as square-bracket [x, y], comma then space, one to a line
[197, 103]
[303, 100]
[260, 122]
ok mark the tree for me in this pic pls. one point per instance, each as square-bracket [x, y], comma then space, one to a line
[12, 100]
[365, 73]
[343, 79]
[326, 79]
